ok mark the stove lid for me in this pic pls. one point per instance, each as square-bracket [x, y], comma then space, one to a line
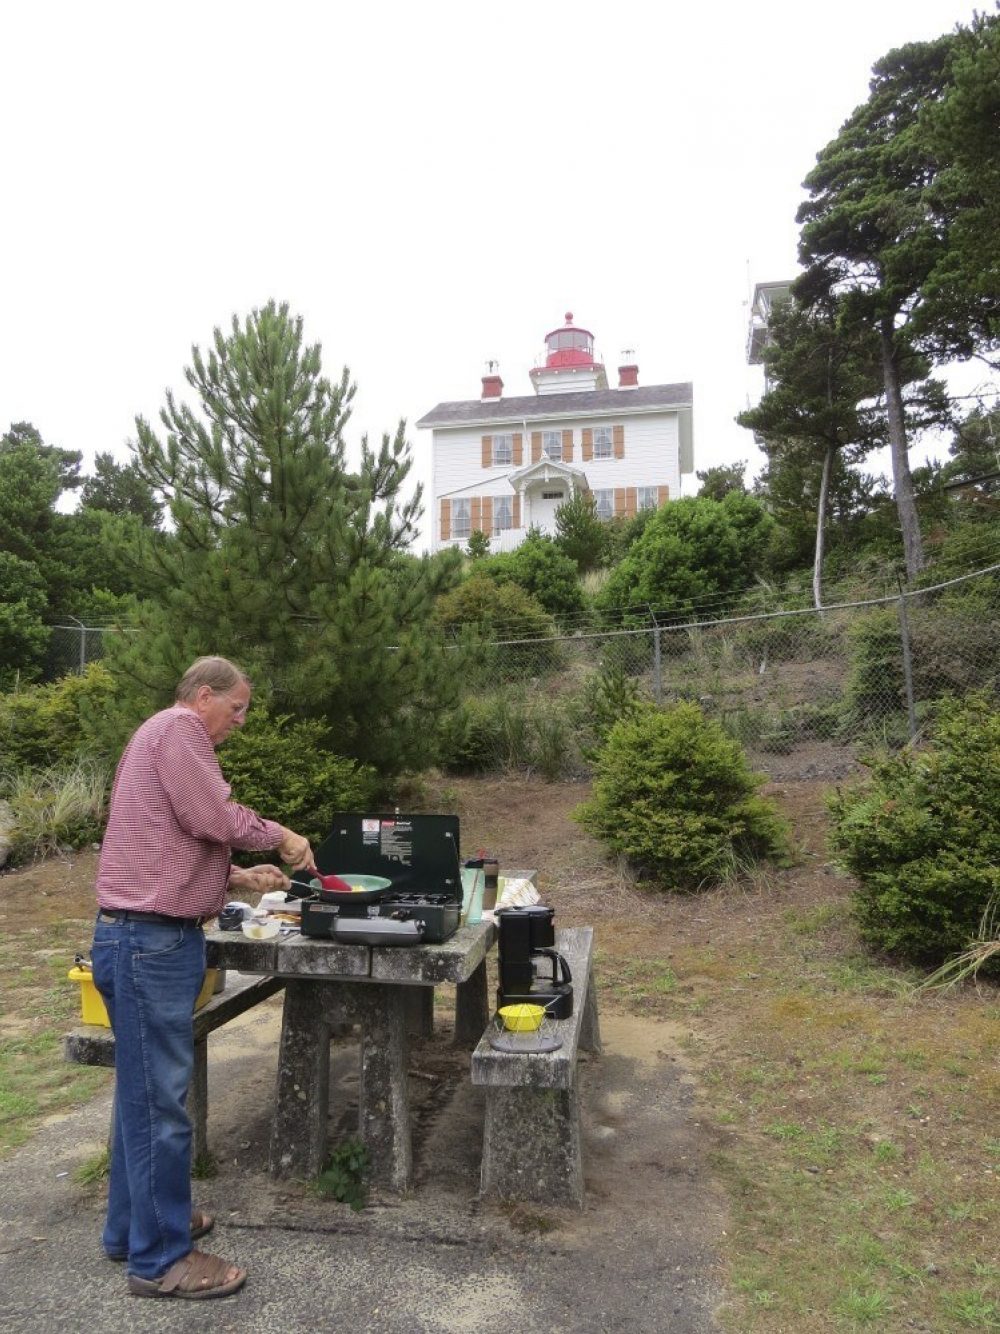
[418, 853]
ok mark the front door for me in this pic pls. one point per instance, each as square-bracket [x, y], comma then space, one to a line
[544, 504]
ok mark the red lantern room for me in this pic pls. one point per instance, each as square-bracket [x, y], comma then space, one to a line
[569, 361]
[569, 346]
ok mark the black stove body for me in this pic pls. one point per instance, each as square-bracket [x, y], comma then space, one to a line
[419, 854]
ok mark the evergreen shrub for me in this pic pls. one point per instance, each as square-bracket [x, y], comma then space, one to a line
[607, 696]
[675, 795]
[285, 770]
[544, 571]
[875, 685]
[501, 611]
[922, 835]
[43, 724]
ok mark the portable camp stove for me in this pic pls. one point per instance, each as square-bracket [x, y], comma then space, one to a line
[417, 854]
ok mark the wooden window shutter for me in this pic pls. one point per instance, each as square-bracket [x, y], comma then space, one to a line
[536, 446]
[487, 514]
[631, 501]
[487, 451]
[618, 441]
[588, 444]
[518, 454]
[445, 520]
[477, 515]
[515, 512]
[567, 456]
[619, 501]
[662, 495]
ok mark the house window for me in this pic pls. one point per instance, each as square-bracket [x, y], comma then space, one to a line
[553, 495]
[646, 498]
[503, 513]
[461, 518]
[603, 442]
[503, 450]
[552, 445]
[604, 504]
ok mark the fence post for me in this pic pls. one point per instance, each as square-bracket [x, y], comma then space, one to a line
[657, 668]
[83, 643]
[904, 632]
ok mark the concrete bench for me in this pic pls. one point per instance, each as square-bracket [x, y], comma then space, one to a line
[531, 1135]
[92, 1044]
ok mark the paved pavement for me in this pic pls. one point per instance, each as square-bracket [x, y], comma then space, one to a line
[641, 1256]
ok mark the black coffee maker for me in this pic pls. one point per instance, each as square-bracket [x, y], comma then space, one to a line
[531, 969]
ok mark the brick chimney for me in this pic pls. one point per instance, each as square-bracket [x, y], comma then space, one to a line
[492, 384]
[628, 372]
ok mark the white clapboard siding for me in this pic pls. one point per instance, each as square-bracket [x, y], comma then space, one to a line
[651, 459]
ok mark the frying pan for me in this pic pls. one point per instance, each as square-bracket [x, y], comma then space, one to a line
[340, 888]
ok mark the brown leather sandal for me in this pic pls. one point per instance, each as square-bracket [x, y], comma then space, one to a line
[196, 1276]
[201, 1225]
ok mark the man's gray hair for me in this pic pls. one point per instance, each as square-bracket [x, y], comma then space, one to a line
[219, 674]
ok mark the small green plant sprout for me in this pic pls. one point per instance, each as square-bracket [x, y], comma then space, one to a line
[976, 1311]
[344, 1176]
[864, 1306]
[94, 1169]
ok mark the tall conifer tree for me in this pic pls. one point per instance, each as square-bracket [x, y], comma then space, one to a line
[283, 557]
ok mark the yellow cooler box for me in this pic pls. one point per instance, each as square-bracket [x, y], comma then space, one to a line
[94, 1011]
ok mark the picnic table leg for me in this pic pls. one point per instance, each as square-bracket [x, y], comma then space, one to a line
[420, 1011]
[298, 1132]
[590, 1027]
[471, 1009]
[198, 1102]
[384, 1099]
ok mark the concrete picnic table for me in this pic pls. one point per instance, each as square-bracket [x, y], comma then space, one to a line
[388, 991]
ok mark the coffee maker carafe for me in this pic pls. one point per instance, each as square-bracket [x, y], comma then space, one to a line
[531, 969]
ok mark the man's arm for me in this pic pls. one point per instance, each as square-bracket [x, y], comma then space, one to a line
[188, 770]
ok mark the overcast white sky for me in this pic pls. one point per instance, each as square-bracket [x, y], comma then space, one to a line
[429, 186]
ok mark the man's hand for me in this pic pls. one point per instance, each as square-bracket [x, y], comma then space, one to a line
[294, 850]
[257, 879]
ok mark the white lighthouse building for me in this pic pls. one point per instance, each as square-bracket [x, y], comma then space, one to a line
[504, 465]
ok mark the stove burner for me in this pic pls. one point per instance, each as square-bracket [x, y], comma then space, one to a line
[404, 900]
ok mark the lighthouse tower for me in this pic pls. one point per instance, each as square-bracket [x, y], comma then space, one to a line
[569, 362]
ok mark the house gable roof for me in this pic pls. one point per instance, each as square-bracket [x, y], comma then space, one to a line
[541, 407]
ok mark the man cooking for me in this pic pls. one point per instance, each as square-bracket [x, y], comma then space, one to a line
[164, 870]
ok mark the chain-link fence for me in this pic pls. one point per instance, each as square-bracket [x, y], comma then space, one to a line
[811, 685]
[815, 684]
[72, 646]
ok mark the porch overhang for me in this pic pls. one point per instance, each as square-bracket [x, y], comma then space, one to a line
[548, 470]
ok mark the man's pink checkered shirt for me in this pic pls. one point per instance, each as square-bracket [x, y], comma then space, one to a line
[172, 824]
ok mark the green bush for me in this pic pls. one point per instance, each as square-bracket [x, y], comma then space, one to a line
[875, 685]
[544, 571]
[675, 795]
[285, 770]
[922, 835]
[609, 695]
[54, 808]
[690, 551]
[500, 731]
[41, 725]
[501, 611]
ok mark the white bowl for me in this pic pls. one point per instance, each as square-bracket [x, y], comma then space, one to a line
[255, 929]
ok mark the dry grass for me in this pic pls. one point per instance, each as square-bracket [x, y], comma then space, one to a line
[851, 1118]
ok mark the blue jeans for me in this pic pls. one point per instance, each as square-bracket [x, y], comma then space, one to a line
[149, 975]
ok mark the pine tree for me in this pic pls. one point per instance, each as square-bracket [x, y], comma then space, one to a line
[869, 236]
[282, 557]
